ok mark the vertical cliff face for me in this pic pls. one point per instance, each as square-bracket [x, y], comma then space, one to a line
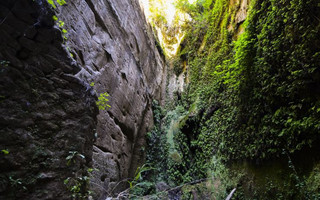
[48, 108]
[110, 40]
[46, 113]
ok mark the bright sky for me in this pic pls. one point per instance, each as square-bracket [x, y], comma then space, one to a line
[169, 13]
[171, 10]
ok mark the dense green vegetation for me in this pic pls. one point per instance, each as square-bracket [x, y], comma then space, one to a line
[251, 98]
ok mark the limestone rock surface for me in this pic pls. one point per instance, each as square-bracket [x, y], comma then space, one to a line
[47, 97]
[112, 42]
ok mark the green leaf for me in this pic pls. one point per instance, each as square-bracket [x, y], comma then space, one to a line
[6, 152]
[61, 2]
[52, 3]
[130, 183]
[61, 24]
[281, 133]
[69, 157]
[81, 156]
[55, 18]
[66, 181]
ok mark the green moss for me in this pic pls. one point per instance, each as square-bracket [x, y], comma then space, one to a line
[248, 100]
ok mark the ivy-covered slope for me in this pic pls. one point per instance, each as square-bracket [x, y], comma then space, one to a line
[252, 97]
[266, 84]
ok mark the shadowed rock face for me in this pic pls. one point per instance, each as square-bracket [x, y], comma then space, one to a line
[48, 106]
[112, 42]
[45, 111]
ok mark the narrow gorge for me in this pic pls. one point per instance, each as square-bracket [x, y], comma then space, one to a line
[147, 99]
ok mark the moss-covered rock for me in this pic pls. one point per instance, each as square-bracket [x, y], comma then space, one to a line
[253, 87]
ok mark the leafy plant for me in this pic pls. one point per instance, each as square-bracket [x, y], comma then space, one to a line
[71, 158]
[4, 63]
[78, 187]
[138, 175]
[254, 93]
[59, 23]
[60, 2]
[5, 152]
[16, 183]
[102, 102]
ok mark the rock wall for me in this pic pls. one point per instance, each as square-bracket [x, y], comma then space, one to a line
[48, 110]
[239, 10]
[46, 113]
[112, 42]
